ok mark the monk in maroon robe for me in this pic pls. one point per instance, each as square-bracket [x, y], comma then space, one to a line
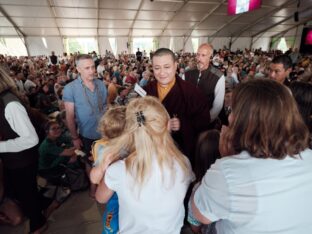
[185, 103]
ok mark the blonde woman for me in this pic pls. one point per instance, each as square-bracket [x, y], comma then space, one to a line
[152, 181]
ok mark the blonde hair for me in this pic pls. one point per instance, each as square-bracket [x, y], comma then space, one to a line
[146, 136]
[113, 122]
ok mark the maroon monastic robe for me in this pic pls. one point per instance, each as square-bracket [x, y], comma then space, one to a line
[187, 103]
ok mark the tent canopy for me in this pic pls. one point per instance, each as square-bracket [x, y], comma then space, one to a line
[147, 18]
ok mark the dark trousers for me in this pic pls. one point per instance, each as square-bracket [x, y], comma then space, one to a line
[87, 145]
[21, 184]
[53, 175]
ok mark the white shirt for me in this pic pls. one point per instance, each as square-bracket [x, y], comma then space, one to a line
[20, 86]
[234, 77]
[100, 68]
[218, 101]
[19, 121]
[248, 195]
[29, 84]
[157, 207]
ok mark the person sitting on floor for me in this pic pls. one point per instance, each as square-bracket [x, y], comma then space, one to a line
[55, 149]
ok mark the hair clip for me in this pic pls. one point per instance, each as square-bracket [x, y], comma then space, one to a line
[140, 118]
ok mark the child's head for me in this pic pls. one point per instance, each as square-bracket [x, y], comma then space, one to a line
[113, 122]
[53, 129]
[61, 118]
[207, 152]
[123, 91]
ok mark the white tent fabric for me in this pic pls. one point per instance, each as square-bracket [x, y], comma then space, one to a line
[220, 42]
[177, 44]
[10, 46]
[36, 45]
[124, 20]
[164, 42]
[122, 44]
[241, 43]
[104, 45]
[262, 43]
[203, 40]
[297, 32]
[189, 46]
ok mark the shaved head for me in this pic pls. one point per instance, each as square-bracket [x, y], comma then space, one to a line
[204, 53]
[206, 46]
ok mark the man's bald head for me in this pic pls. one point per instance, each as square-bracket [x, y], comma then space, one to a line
[207, 47]
[204, 53]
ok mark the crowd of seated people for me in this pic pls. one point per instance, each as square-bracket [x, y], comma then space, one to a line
[40, 84]
[36, 72]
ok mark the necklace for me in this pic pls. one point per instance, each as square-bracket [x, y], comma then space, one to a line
[99, 99]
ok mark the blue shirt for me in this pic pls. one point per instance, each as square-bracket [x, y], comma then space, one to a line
[89, 106]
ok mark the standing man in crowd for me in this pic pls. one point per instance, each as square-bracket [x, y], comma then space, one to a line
[185, 104]
[139, 55]
[85, 103]
[280, 68]
[208, 79]
[100, 69]
[30, 84]
[19, 82]
[53, 59]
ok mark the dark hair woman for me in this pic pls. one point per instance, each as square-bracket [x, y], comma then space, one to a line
[263, 185]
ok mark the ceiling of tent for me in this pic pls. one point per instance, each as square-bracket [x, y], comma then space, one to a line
[147, 18]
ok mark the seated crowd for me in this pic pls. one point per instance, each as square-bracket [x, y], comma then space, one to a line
[164, 158]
